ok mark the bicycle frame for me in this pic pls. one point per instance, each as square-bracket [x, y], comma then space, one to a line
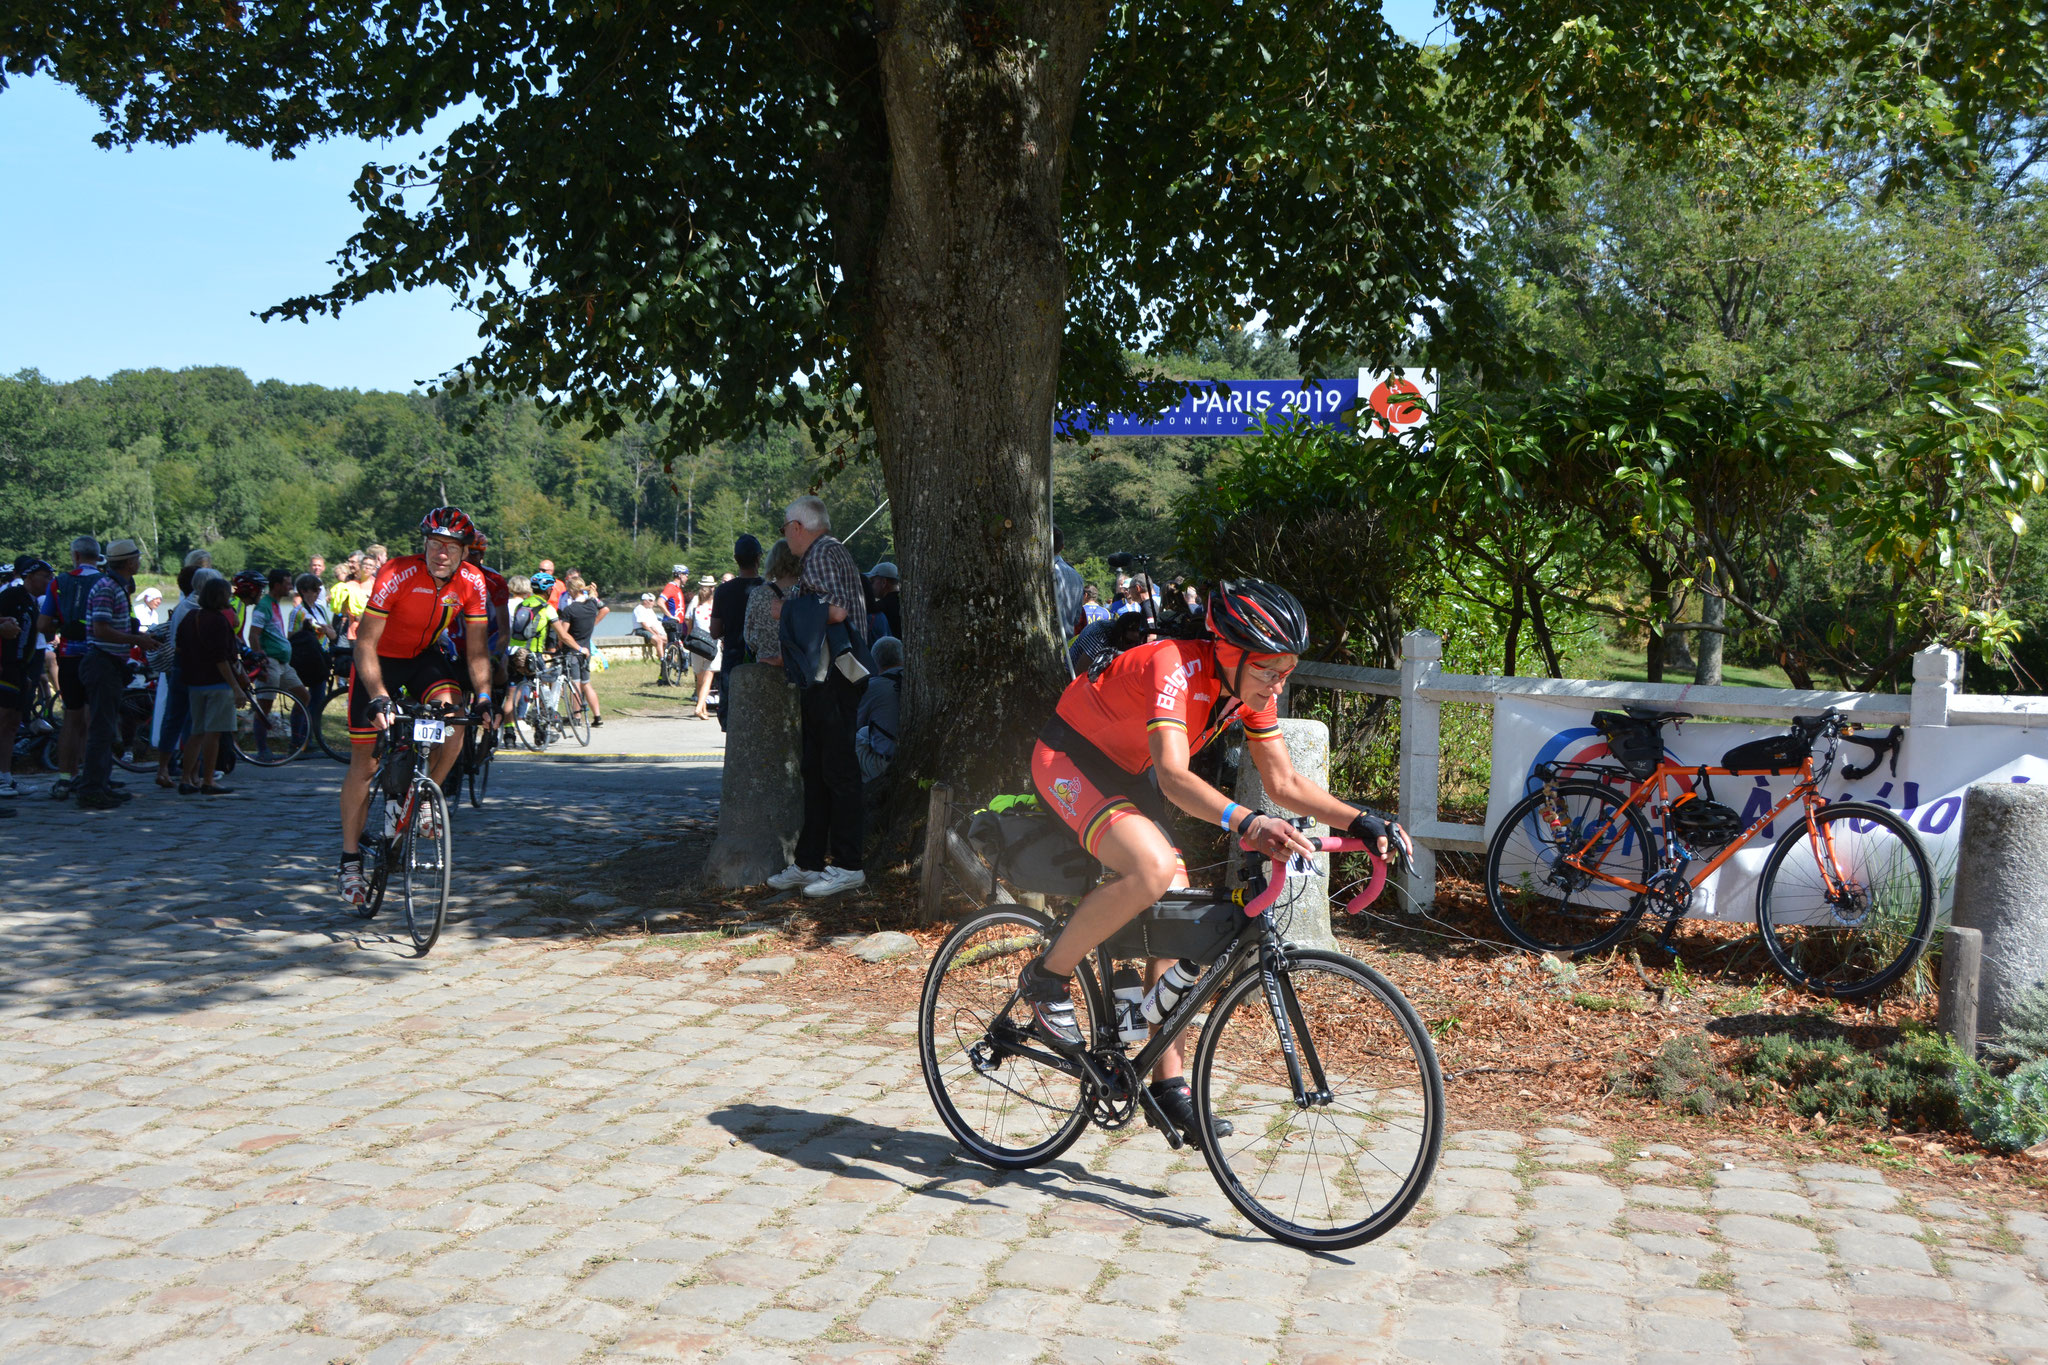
[1256, 938]
[1650, 791]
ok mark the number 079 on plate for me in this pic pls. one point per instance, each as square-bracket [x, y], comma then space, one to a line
[429, 731]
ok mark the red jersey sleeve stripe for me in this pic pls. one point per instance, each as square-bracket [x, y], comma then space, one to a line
[1159, 722]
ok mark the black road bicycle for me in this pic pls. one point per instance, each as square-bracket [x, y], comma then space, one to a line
[407, 835]
[1319, 1065]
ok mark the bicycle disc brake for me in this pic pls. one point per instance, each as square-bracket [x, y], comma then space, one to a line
[1850, 906]
[1109, 1110]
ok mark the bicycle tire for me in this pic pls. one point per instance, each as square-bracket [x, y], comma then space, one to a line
[269, 744]
[330, 726]
[1886, 939]
[952, 1023]
[378, 878]
[576, 720]
[1397, 1109]
[1528, 911]
[484, 746]
[426, 867]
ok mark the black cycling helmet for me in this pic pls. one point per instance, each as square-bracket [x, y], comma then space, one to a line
[1257, 616]
[250, 578]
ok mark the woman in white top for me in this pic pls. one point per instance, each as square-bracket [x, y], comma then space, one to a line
[700, 619]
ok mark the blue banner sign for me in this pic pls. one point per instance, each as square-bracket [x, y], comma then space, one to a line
[1235, 407]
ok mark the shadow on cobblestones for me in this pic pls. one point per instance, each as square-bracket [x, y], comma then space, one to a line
[857, 1150]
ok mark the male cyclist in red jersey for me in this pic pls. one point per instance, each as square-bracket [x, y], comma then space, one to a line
[398, 651]
[1117, 749]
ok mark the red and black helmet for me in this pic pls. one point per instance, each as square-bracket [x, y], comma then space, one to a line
[1258, 617]
[480, 544]
[451, 522]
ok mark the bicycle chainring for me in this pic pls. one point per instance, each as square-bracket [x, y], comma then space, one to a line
[1113, 1111]
[1670, 895]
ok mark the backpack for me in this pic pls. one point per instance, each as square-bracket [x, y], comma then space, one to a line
[523, 617]
[74, 596]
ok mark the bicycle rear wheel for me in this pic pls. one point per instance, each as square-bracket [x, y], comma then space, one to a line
[1549, 907]
[1846, 904]
[425, 857]
[576, 714]
[1001, 1091]
[274, 729]
[330, 727]
[1350, 1165]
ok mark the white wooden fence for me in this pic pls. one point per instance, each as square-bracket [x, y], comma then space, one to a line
[1423, 687]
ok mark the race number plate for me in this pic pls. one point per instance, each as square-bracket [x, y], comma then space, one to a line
[429, 731]
[1301, 865]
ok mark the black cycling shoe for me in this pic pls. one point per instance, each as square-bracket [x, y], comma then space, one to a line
[1050, 997]
[1178, 1101]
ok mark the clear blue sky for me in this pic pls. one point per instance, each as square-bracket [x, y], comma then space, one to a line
[159, 256]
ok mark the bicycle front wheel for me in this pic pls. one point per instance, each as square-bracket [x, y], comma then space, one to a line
[1349, 1165]
[1548, 905]
[1000, 1090]
[274, 729]
[1846, 902]
[330, 726]
[426, 866]
[486, 746]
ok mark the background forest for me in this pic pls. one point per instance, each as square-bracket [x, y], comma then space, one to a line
[1771, 411]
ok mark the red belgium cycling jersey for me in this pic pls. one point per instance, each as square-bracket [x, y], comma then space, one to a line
[1166, 683]
[416, 609]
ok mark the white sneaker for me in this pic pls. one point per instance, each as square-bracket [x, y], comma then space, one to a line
[792, 877]
[835, 880]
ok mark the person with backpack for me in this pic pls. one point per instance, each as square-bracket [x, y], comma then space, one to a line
[104, 671]
[63, 615]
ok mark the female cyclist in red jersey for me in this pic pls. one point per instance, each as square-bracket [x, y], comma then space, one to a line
[1117, 749]
[398, 650]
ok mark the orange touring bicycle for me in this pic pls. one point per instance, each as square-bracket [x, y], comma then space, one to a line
[1844, 896]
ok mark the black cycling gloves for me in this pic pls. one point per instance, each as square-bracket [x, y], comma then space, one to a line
[1372, 826]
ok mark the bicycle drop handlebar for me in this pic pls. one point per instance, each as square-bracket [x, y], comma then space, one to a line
[1331, 843]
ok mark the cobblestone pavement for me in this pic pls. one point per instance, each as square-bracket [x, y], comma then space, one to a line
[231, 1130]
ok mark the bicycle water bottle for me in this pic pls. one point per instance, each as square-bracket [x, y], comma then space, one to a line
[1166, 993]
[1129, 990]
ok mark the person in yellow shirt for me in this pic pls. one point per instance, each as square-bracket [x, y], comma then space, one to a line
[348, 597]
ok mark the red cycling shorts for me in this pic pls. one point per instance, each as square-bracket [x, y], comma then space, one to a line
[1083, 809]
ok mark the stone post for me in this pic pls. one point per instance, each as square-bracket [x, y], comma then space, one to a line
[1421, 653]
[1937, 673]
[761, 799]
[2002, 891]
[1307, 907]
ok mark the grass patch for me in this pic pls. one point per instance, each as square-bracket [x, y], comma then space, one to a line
[1909, 1084]
[1605, 1004]
[1683, 1075]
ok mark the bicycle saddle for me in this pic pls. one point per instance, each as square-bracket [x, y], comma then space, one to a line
[1651, 713]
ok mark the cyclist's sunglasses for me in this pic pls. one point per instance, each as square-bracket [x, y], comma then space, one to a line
[1270, 676]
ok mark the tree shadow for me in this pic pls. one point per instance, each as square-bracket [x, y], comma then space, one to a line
[930, 1164]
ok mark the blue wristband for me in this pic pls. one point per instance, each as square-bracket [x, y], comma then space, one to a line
[1229, 815]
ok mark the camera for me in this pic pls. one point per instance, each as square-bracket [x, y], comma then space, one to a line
[1128, 559]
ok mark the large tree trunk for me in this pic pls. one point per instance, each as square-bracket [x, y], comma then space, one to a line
[968, 306]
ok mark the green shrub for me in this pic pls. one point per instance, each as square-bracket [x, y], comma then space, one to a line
[1911, 1084]
[2025, 1035]
[1684, 1076]
[2007, 1114]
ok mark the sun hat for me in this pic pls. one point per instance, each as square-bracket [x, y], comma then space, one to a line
[124, 548]
[707, 581]
[156, 593]
[646, 597]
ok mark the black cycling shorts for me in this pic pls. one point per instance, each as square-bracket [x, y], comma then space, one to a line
[428, 677]
[71, 687]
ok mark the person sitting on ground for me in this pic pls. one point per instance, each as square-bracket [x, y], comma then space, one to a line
[874, 735]
[760, 631]
[580, 617]
[1115, 753]
[210, 672]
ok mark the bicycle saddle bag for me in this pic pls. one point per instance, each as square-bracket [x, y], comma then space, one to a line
[1197, 930]
[1635, 744]
[1771, 754]
[1032, 851]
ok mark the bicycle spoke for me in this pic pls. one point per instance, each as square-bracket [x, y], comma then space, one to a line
[1846, 905]
[1545, 864]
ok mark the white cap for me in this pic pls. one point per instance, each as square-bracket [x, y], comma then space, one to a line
[646, 597]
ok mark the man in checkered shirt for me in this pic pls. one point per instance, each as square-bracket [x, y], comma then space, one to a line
[832, 781]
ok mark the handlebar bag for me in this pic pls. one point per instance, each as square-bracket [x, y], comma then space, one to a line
[1197, 929]
[1032, 851]
[1635, 744]
[1771, 754]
